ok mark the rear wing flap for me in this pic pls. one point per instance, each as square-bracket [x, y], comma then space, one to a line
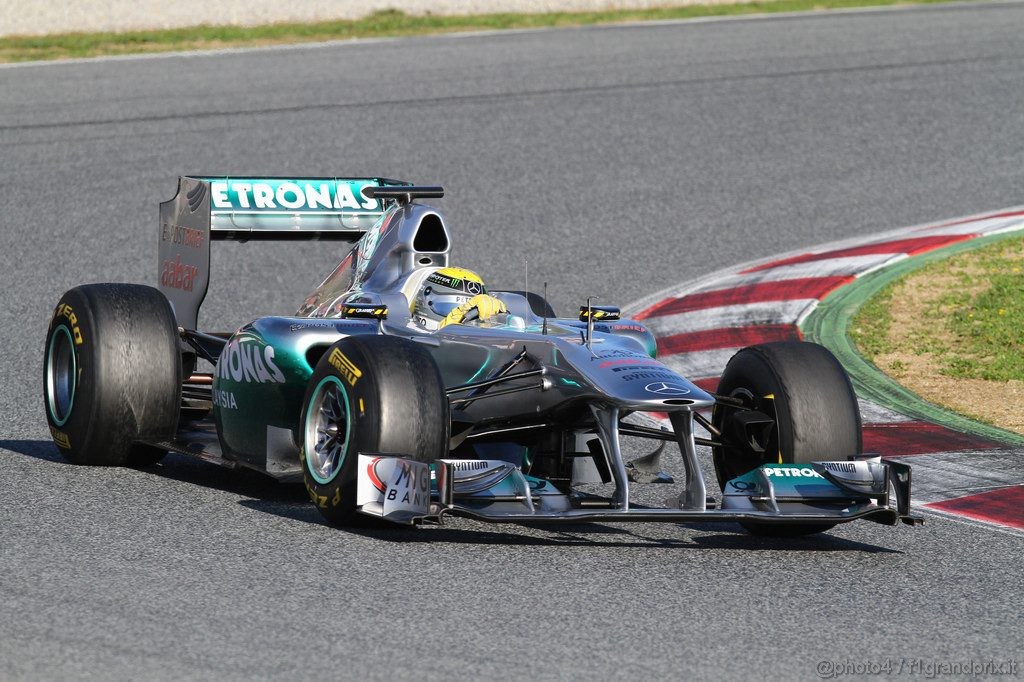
[206, 209]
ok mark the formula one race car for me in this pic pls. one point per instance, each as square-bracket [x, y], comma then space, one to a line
[502, 419]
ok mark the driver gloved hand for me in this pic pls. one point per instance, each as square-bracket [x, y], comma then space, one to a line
[486, 306]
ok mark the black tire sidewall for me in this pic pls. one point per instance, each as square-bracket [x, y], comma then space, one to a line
[812, 394]
[128, 374]
[396, 404]
[73, 436]
[747, 371]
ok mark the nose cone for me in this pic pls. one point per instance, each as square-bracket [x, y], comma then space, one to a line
[642, 383]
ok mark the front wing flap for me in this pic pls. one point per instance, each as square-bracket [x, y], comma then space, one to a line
[393, 488]
[865, 485]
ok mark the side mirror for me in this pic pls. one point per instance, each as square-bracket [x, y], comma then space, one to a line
[599, 313]
[369, 311]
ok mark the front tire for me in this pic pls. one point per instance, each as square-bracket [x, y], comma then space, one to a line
[812, 402]
[112, 374]
[368, 394]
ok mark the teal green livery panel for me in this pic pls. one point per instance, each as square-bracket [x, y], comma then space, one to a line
[260, 382]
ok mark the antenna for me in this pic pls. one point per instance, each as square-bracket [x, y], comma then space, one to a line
[544, 330]
[590, 325]
[527, 286]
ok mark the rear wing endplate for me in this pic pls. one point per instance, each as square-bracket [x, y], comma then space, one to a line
[206, 209]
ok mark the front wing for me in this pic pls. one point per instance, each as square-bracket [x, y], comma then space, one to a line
[405, 491]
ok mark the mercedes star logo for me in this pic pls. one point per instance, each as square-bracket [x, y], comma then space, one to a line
[473, 288]
[661, 388]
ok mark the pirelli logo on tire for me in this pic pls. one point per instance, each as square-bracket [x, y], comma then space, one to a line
[60, 438]
[64, 310]
[345, 367]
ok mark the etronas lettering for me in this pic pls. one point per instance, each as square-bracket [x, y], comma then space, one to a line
[345, 367]
[65, 311]
[177, 275]
[289, 195]
[249, 362]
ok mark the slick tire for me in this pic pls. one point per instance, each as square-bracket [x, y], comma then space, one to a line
[368, 394]
[112, 374]
[815, 410]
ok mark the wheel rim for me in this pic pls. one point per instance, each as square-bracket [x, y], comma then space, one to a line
[327, 430]
[61, 375]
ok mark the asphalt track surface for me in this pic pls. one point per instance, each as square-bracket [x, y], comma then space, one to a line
[617, 162]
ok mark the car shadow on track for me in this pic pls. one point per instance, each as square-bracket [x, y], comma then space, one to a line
[37, 449]
[241, 481]
[695, 536]
[186, 470]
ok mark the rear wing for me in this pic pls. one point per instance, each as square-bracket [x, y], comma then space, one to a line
[206, 209]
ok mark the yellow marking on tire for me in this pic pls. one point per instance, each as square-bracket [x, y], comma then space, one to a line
[345, 367]
[60, 438]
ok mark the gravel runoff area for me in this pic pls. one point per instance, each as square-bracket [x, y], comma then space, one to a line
[123, 15]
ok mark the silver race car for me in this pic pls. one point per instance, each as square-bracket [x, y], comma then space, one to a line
[497, 409]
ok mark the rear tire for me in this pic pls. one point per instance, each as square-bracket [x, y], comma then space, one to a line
[815, 410]
[112, 374]
[368, 394]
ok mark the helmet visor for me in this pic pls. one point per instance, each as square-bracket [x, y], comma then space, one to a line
[442, 305]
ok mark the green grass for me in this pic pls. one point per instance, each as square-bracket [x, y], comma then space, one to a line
[976, 325]
[381, 24]
[989, 326]
[870, 327]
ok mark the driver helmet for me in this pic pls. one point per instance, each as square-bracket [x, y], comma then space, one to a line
[443, 291]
